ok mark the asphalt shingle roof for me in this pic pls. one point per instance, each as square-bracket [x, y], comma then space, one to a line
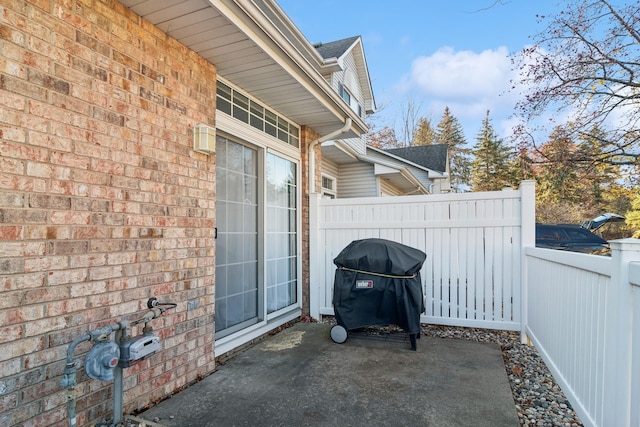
[336, 48]
[432, 156]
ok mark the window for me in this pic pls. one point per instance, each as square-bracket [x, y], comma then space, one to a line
[344, 94]
[240, 106]
[351, 100]
[328, 187]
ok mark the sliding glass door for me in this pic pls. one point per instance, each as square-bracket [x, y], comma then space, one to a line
[257, 240]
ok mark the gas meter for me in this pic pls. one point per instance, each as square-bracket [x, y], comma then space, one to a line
[101, 361]
[138, 348]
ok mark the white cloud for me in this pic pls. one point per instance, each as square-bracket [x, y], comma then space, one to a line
[468, 82]
[462, 75]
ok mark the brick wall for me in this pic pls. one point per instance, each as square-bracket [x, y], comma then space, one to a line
[103, 203]
[307, 136]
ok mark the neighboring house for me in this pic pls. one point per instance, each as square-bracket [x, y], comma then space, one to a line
[377, 173]
[434, 158]
[105, 200]
[350, 168]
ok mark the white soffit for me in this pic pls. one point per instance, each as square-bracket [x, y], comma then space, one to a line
[241, 42]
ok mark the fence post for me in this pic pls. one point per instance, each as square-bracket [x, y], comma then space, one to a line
[314, 255]
[528, 239]
[618, 335]
[634, 275]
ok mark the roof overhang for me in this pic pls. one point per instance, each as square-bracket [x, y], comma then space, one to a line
[397, 174]
[255, 46]
[401, 178]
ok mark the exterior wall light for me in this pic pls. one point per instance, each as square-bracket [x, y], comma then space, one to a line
[204, 139]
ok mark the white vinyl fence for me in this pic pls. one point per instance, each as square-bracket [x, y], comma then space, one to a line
[584, 319]
[582, 312]
[473, 241]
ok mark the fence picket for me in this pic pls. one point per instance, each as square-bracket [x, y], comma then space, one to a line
[462, 235]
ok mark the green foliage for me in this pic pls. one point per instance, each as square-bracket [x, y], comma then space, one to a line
[491, 169]
[449, 131]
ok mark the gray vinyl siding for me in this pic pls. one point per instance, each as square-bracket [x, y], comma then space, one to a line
[349, 65]
[359, 144]
[331, 169]
[357, 180]
[354, 87]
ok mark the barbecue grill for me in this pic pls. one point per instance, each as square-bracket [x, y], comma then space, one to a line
[377, 282]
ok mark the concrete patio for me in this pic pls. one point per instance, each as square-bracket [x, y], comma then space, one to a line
[299, 377]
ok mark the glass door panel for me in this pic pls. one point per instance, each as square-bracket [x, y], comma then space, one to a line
[281, 237]
[237, 293]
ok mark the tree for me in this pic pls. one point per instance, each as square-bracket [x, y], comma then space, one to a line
[586, 63]
[410, 116]
[556, 179]
[633, 217]
[520, 166]
[382, 138]
[423, 134]
[490, 169]
[570, 190]
[449, 131]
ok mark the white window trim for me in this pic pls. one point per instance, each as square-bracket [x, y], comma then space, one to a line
[333, 192]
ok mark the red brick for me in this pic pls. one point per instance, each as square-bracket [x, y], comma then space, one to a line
[12, 166]
[45, 263]
[43, 18]
[98, 141]
[20, 348]
[68, 217]
[70, 103]
[12, 133]
[13, 101]
[70, 19]
[11, 233]
[11, 333]
[50, 418]
[46, 141]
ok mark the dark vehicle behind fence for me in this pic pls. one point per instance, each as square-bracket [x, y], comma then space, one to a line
[568, 237]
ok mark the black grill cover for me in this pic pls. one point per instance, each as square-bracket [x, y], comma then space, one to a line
[377, 282]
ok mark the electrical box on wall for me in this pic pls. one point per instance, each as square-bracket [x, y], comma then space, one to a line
[204, 139]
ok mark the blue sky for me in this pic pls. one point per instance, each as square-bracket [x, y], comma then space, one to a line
[436, 53]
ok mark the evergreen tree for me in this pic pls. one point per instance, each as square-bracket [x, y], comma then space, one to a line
[423, 134]
[520, 166]
[490, 169]
[449, 131]
[556, 170]
[594, 177]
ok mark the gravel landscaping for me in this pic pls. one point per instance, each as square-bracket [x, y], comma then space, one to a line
[539, 400]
